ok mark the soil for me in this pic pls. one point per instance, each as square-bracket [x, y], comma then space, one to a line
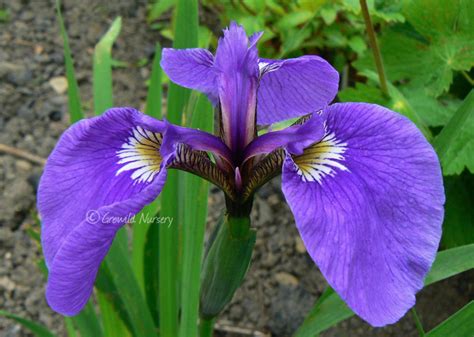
[282, 283]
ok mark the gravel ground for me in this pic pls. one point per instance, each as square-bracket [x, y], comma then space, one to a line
[282, 282]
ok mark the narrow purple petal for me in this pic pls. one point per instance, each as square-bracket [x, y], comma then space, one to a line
[191, 68]
[294, 138]
[368, 203]
[294, 87]
[107, 167]
[196, 139]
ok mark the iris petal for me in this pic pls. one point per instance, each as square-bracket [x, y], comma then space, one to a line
[294, 87]
[102, 171]
[294, 138]
[191, 68]
[74, 268]
[368, 203]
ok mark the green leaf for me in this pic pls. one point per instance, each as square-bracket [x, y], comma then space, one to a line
[458, 225]
[331, 309]
[87, 322]
[186, 30]
[115, 318]
[114, 315]
[439, 17]
[386, 11]
[434, 111]
[140, 230]
[451, 262]
[461, 324]
[155, 91]
[363, 93]
[158, 8]
[102, 68]
[292, 20]
[326, 313]
[37, 329]
[195, 203]
[328, 14]
[152, 270]
[4, 15]
[71, 330]
[120, 274]
[74, 99]
[399, 103]
[442, 44]
[357, 44]
[455, 143]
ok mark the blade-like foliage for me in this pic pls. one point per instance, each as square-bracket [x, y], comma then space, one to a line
[458, 225]
[455, 143]
[102, 72]
[74, 99]
[129, 292]
[151, 274]
[461, 324]
[37, 329]
[186, 25]
[194, 222]
[331, 309]
[87, 322]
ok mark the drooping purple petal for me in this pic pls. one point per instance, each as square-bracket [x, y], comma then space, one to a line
[74, 268]
[102, 171]
[294, 138]
[294, 87]
[368, 203]
[191, 68]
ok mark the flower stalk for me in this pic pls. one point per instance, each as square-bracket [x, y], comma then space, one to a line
[375, 47]
[206, 327]
[225, 264]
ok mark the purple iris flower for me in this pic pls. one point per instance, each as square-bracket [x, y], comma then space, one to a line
[364, 185]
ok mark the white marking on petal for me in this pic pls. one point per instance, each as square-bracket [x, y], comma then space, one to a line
[141, 154]
[265, 67]
[322, 159]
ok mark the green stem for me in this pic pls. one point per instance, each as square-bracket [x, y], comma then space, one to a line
[374, 46]
[418, 324]
[467, 77]
[206, 327]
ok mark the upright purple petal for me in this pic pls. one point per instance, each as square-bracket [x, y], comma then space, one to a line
[294, 87]
[237, 65]
[368, 203]
[191, 68]
[102, 172]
